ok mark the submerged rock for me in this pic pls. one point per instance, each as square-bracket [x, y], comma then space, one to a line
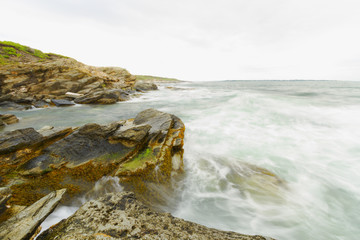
[147, 149]
[122, 216]
[26, 223]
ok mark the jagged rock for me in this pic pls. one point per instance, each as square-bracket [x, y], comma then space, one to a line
[9, 118]
[12, 141]
[62, 102]
[122, 216]
[144, 86]
[147, 149]
[25, 224]
[18, 146]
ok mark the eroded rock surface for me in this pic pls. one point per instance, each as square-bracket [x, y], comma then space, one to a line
[122, 216]
[147, 149]
[27, 78]
[8, 119]
[26, 223]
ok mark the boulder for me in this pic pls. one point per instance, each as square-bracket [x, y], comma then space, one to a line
[98, 97]
[26, 223]
[145, 86]
[62, 102]
[122, 216]
[9, 118]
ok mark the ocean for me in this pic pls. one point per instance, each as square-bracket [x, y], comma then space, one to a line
[274, 158]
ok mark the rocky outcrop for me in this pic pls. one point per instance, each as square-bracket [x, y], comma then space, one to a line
[6, 119]
[121, 216]
[26, 224]
[26, 78]
[145, 86]
[140, 151]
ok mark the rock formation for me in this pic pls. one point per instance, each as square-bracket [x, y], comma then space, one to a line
[26, 223]
[147, 149]
[29, 77]
[6, 119]
[121, 216]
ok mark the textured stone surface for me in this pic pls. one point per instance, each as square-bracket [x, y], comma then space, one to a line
[8, 118]
[145, 86]
[62, 102]
[25, 224]
[121, 216]
[141, 151]
[26, 79]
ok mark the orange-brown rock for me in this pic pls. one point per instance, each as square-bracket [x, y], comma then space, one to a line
[140, 151]
[26, 78]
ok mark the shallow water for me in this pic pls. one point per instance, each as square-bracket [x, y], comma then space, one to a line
[305, 132]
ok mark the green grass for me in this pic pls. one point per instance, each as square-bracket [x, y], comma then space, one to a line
[13, 45]
[10, 51]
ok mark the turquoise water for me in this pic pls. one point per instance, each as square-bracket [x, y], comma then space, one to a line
[305, 132]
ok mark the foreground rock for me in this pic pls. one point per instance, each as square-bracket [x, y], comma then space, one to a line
[121, 216]
[28, 76]
[26, 223]
[140, 151]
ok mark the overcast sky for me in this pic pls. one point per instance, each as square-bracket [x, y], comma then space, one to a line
[196, 39]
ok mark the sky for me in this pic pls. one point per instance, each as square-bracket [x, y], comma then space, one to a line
[197, 40]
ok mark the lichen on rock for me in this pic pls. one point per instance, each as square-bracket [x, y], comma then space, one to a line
[139, 151]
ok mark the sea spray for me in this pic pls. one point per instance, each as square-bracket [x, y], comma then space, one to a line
[305, 132]
[104, 185]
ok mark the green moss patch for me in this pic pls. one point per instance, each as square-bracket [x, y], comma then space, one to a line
[139, 161]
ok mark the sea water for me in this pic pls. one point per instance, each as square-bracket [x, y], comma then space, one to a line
[307, 133]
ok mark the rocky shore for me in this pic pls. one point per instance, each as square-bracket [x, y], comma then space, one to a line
[30, 78]
[41, 168]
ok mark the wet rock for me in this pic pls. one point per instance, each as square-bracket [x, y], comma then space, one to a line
[41, 104]
[144, 86]
[62, 102]
[14, 140]
[9, 118]
[7, 105]
[122, 216]
[26, 223]
[98, 97]
[147, 149]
